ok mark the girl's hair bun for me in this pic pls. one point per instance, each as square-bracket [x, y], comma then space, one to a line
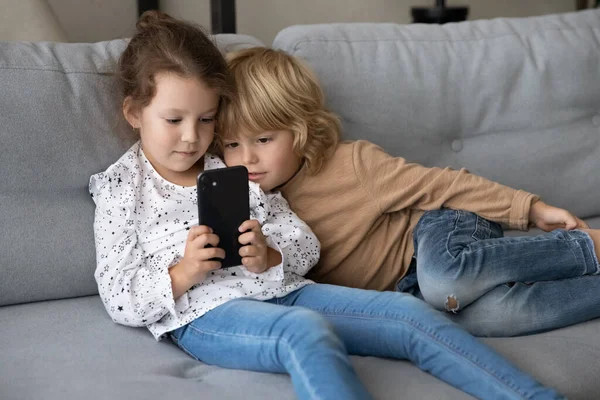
[153, 19]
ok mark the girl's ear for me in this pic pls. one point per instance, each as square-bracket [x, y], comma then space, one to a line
[131, 113]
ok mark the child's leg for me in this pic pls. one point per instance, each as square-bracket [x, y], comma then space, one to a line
[260, 336]
[461, 256]
[397, 325]
[522, 309]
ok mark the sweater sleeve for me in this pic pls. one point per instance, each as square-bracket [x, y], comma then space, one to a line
[395, 184]
[286, 232]
[134, 286]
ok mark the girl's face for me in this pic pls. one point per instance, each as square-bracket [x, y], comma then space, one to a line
[269, 157]
[177, 127]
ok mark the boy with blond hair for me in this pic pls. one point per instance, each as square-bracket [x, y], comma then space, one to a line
[388, 224]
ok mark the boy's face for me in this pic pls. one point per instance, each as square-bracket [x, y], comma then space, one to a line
[177, 127]
[269, 157]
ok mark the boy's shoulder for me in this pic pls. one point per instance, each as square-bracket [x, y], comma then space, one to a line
[349, 150]
[360, 145]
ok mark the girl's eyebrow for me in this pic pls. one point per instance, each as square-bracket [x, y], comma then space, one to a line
[212, 110]
[175, 110]
[180, 111]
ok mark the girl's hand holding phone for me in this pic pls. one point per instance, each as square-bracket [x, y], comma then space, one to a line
[197, 259]
[256, 256]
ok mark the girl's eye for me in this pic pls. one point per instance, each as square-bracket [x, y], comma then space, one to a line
[173, 121]
[264, 140]
[232, 145]
[207, 120]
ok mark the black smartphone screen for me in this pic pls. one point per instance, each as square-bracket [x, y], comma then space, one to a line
[223, 205]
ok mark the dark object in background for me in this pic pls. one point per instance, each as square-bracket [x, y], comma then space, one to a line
[222, 13]
[439, 14]
[222, 16]
[145, 5]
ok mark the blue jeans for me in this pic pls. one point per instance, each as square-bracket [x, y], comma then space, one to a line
[503, 286]
[310, 332]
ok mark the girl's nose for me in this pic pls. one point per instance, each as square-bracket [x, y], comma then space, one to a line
[189, 134]
[249, 156]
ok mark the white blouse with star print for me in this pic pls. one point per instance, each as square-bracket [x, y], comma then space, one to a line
[141, 227]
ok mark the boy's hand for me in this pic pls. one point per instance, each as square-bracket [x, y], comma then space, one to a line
[257, 257]
[548, 218]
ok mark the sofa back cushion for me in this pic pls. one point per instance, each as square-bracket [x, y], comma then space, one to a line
[514, 100]
[60, 122]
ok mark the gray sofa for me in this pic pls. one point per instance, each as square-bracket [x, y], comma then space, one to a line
[515, 100]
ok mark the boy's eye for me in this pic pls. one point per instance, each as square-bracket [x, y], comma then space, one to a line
[173, 120]
[232, 145]
[207, 120]
[263, 140]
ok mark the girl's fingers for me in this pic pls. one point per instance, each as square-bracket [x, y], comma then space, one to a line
[252, 237]
[211, 252]
[197, 231]
[212, 265]
[250, 251]
[206, 239]
[254, 264]
[249, 225]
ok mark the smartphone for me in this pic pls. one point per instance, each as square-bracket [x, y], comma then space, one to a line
[223, 205]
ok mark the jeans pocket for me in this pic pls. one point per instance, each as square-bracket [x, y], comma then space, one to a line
[468, 228]
[483, 229]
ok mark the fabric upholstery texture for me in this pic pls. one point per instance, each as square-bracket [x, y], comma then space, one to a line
[515, 100]
[498, 96]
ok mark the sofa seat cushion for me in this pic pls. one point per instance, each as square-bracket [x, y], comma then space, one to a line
[70, 349]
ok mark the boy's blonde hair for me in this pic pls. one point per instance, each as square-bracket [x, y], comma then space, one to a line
[275, 91]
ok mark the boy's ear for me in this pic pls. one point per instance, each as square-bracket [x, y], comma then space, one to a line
[131, 113]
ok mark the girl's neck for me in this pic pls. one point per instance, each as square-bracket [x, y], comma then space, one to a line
[185, 178]
[188, 178]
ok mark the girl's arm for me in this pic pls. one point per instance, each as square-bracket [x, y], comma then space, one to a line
[297, 244]
[134, 286]
[395, 184]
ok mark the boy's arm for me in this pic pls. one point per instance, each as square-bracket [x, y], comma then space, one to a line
[549, 218]
[394, 184]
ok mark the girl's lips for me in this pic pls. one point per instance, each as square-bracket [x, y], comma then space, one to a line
[254, 176]
[186, 153]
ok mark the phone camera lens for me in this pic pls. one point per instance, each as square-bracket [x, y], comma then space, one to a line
[206, 182]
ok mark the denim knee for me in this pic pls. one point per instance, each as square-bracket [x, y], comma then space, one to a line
[442, 284]
[308, 329]
[440, 239]
[441, 295]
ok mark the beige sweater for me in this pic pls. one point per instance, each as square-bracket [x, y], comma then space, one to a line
[364, 204]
